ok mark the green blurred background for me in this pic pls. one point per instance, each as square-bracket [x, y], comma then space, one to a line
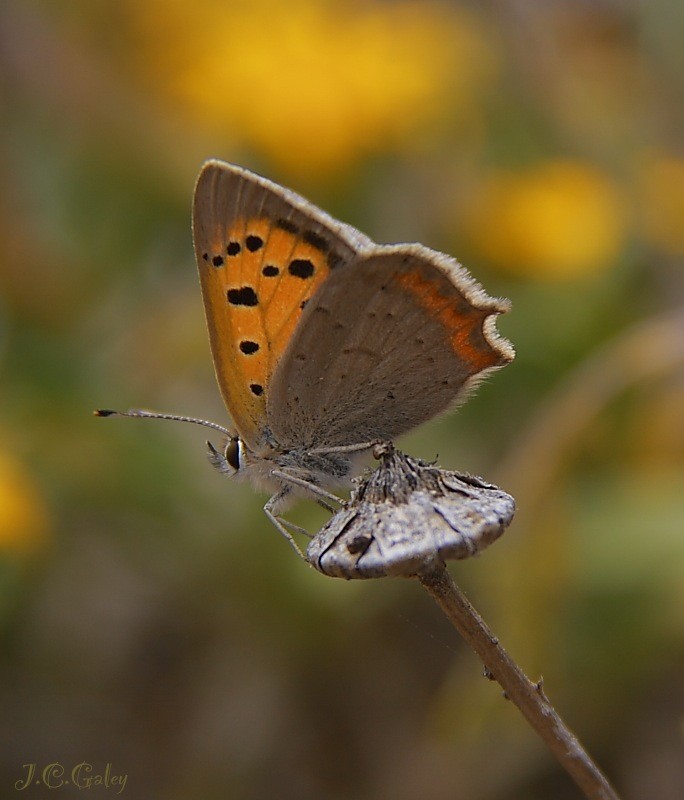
[151, 618]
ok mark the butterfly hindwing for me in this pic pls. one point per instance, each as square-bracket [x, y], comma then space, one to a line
[395, 340]
[262, 252]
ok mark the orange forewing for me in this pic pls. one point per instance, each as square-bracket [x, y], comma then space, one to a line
[256, 279]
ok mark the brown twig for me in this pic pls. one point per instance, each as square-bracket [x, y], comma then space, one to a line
[529, 697]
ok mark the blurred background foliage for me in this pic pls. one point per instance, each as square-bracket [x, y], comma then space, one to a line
[150, 616]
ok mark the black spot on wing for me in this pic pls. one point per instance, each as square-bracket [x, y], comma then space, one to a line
[286, 225]
[301, 268]
[245, 296]
[254, 243]
[316, 240]
[248, 347]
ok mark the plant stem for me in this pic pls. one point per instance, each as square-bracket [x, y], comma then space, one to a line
[529, 697]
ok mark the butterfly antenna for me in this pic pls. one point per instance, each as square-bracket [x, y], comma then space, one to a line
[137, 412]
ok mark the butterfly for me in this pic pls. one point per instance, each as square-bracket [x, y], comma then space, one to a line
[324, 342]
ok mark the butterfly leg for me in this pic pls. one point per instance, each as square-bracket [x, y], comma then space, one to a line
[345, 448]
[320, 493]
[326, 506]
[279, 523]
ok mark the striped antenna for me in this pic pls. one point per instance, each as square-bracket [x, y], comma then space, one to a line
[137, 412]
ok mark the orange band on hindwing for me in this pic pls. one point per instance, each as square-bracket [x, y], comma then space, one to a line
[463, 323]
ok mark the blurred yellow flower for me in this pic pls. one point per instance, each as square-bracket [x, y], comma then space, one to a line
[312, 84]
[661, 203]
[23, 515]
[559, 219]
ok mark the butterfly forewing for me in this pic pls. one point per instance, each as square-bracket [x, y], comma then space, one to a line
[262, 253]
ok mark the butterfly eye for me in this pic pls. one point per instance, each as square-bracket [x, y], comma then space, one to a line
[228, 461]
[232, 453]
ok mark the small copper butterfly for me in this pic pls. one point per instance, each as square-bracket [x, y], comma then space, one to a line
[324, 342]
